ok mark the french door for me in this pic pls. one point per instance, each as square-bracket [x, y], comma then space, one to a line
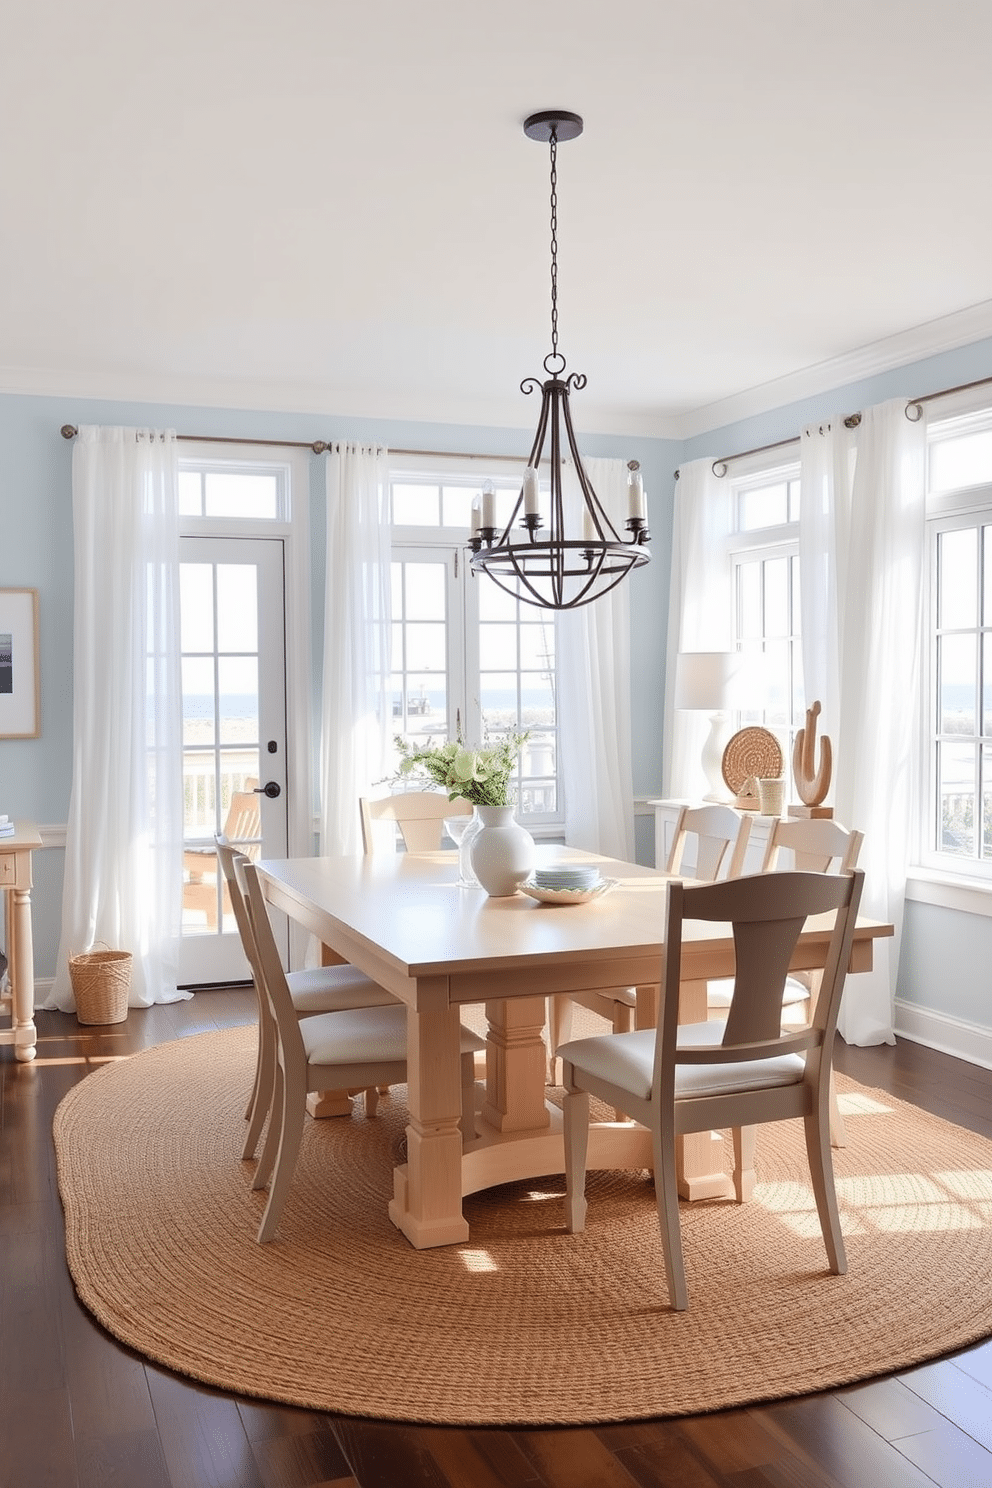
[234, 733]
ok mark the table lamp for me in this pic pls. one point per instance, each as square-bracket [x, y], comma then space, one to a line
[705, 683]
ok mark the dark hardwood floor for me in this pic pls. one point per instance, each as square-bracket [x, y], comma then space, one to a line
[77, 1408]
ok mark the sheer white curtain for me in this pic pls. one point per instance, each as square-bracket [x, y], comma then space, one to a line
[355, 709]
[700, 610]
[594, 695]
[123, 857]
[864, 537]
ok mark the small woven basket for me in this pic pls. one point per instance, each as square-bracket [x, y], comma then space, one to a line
[101, 982]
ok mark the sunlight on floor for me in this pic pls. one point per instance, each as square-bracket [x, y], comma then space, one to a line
[889, 1203]
[477, 1260]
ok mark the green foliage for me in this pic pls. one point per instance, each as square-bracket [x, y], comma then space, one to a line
[481, 776]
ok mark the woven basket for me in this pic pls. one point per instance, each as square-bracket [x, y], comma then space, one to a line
[101, 982]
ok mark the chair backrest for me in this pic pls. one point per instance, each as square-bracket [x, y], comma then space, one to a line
[228, 855]
[243, 822]
[418, 814]
[270, 978]
[817, 844]
[767, 913]
[721, 836]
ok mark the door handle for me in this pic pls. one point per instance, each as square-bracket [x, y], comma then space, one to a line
[270, 789]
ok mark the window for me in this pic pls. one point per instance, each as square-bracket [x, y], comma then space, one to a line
[468, 658]
[957, 794]
[765, 565]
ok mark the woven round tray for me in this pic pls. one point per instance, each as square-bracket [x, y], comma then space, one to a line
[752, 752]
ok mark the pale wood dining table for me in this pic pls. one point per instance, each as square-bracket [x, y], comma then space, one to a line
[404, 920]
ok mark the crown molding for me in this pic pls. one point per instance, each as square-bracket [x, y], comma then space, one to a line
[948, 333]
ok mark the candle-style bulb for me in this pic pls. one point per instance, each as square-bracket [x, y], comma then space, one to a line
[531, 492]
[635, 493]
[488, 504]
[476, 515]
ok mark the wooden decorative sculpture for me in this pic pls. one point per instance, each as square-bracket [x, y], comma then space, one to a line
[812, 781]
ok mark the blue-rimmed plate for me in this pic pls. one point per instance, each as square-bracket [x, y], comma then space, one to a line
[568, 896]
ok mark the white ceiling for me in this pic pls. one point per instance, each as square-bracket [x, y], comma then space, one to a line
[333, 208]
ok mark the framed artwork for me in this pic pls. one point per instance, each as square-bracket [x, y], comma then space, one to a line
[20, 679]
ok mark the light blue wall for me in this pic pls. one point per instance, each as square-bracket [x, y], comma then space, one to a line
[36, 552]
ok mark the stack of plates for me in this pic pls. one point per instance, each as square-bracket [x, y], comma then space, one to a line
[567, 876]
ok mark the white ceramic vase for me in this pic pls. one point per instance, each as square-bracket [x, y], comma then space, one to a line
[502, 852]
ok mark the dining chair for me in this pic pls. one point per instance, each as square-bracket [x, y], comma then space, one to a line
[324, 989]
[419, 815]
[242, 826]
[720, 837]
[749, 1070]
[364, 1047]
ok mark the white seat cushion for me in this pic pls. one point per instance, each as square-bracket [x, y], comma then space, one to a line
[718, 994]
[328, 989]
[365, 1035]
[626, 1060]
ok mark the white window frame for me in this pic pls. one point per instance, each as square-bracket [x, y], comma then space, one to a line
[756, 544]
[292, 526]
[940, 877]
[463, 618]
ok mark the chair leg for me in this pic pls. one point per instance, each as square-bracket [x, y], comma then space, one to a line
[623, 1022]
[371, 1101]
[263, 1171]
[291, 1130]
[821, 1167]
[261, 1101]
[667, 1194]
[560, 1008]
[468, 1098]
[575, 1109]
[744, 1176]
[838, 1132]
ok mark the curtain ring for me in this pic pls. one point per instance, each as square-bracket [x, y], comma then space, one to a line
[914, 418]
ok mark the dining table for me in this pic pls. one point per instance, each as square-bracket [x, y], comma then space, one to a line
[439, 946]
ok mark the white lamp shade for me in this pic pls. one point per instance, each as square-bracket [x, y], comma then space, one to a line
[704, 679]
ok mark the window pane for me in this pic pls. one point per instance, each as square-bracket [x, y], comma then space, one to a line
[416, 505]
[231, 494]
[237, 678]
[987, 801]
[497, 647]
[956, 657]
[956, 775]
[768, 506]
[426, 703]
[425, 591]
[237, 607]
[957, 578]
[198, 699]
[987, 684]
[987, 576]
[494, 602]
[425, 649]
[537, 647]
[777, 608]
[190, 493]
[794, 487]
[456, 506]
[962, 461]
[749, 600]
[196, 606]
[537, 700]
[778, 704]
[498, 697]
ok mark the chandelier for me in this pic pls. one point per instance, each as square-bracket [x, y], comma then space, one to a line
[544, 566]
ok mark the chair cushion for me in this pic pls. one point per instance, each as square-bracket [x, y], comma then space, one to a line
[365, 1035]
[328, 989]
[718, 993]
[626, 1060]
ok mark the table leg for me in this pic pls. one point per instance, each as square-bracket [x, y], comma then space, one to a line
[515, 1065]
[21, 971]
[427, 1191]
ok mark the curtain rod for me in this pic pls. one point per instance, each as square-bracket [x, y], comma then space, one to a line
[321, 446]
[913, 411]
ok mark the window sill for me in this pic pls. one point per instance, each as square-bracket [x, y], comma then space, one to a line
[948, 891]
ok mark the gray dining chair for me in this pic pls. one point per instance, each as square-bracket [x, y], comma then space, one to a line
[737, 1074]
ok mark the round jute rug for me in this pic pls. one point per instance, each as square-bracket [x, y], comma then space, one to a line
[522, 1324]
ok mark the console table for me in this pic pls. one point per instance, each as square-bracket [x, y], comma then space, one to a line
[15, 880]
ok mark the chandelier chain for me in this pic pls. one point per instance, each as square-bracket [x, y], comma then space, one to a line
[554, 242]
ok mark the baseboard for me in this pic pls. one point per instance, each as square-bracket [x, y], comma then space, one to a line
[968, 1041]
